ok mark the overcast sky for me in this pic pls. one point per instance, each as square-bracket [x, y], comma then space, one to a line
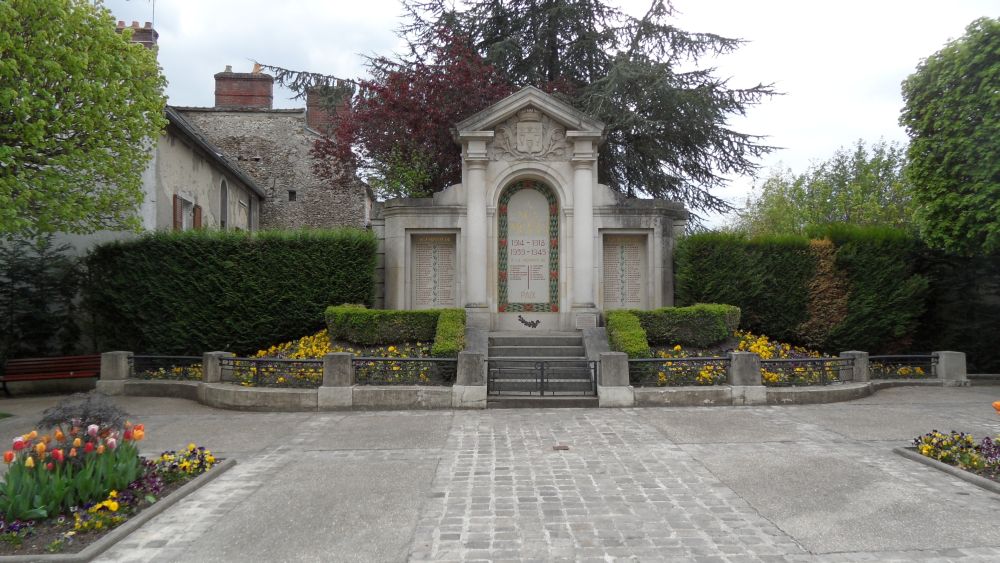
[839, 64]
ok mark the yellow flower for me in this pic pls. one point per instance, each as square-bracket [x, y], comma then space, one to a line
[677, 348]
[192, 447]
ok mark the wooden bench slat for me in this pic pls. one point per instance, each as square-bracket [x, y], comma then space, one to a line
[39, 369]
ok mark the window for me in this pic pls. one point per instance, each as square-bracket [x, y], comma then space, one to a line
[291, 195]
[224, 205]
[187, 215]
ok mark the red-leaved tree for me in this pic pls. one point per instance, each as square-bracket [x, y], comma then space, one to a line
[397, 126]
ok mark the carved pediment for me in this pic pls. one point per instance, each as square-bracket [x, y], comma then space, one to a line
[529, 135]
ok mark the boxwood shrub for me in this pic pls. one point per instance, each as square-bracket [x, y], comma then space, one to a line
[699, 325]
[195, 291]
[373, 327]
[625, 334]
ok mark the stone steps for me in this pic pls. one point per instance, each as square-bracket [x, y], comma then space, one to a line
[515, 360]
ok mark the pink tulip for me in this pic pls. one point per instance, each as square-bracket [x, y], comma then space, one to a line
[111, 442]
[92, 430]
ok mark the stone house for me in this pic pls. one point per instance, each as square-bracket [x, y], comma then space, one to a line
[274, 146]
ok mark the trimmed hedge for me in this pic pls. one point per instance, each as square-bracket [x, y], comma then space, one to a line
[783, 285]
[449, 338]
[767, 278]
[625, 334]
[373, 327]
[699, 325]
[195, 291]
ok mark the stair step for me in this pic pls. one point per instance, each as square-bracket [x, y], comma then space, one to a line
[536, 340]
[537, 351]
[529, 402]
[529, 364]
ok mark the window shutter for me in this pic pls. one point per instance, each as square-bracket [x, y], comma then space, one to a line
[197, 216]
[178, 213]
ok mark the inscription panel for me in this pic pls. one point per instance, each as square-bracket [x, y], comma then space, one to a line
[433, 267]
[625, 272]
[528, 249]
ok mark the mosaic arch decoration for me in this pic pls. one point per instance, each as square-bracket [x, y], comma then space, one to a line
[528, 262]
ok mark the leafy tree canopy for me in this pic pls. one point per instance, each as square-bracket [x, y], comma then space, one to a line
[79, 107]
[667, 128]
[952, 115]
[862, 185]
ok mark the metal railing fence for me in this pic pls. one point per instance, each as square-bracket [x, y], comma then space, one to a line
[272, 372]
[903, 366]
[404, 371]
[168, 368]
[672, 372]
[806, 371]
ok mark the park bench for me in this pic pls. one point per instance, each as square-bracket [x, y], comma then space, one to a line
[39, 369]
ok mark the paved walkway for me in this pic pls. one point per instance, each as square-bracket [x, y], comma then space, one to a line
[805, 483]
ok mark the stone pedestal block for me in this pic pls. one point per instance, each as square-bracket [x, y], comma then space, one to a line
[338, 370]
[859, 371]
[471, 370]
[613, 389]
[951, 368]
[116, 366]
[611, 397]
[212, 367]
[744, 369]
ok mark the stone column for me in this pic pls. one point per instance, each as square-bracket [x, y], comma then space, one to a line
[745, 380]
[584, 164]
[858, 373]
[116, 367]
[474, 238]
[613, 389]
[583, 236]
[951, 368]
[469, 391]
[337, 391]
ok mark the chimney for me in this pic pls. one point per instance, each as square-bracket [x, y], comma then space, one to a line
[317, 117]
[243, 89]
[145, 35]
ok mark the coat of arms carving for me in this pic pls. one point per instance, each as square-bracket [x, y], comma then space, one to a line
[530, 135]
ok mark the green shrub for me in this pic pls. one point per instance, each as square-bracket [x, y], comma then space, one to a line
[449, 338]
[795, 292]
[754, 275]
[625, 334]
[194, 291]
[886, 297]
[373, 327]
[698, 325]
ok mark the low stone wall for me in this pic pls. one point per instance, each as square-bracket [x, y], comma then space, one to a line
[683, 396]
[817, 394]
[337, 392]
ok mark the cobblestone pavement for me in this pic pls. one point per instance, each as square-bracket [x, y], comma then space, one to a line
[800, 484]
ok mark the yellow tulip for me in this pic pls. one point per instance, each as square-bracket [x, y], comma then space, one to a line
[40, 448]
[30, 462]
[77, 443]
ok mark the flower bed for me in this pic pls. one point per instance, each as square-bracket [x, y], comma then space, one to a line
[379, 367]
[65, 489]
[960, 450]
[682, 367]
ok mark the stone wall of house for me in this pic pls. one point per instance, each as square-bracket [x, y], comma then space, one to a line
[272, 146]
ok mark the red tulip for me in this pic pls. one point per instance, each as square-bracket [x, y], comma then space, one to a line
[19, 444]
[50, 466]
[89, 447]
[57, 455]
[128, 434]
[8, 456]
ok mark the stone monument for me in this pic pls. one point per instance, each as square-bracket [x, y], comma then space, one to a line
[529, 240]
